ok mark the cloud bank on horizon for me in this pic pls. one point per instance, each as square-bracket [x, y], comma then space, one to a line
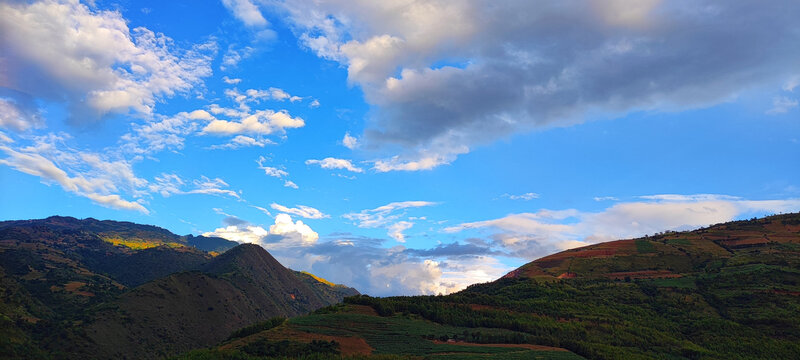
[554, 119]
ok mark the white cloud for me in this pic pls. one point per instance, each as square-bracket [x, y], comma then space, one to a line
[531, 235]
[92, 60]
[396, 230]
[420, 160]
[556, 75]
[525, 196]
[290, 184]
[334, 163]
[116, 202]
[283, 233]
[382, 215]
[233, 56]
[269, 170]
[314, 104]
[161, 133]
[16, 116]
[215, 186]
[781, 105]
[241, 141]
[605, 198]
[86, 174]
[349, 142]
[246, 12]
[171, 184]
[264, 210]
[301, 210]
[263, 122]
[231, 81]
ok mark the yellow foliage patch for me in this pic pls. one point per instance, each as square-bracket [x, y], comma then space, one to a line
[140, 244]
[326, 282]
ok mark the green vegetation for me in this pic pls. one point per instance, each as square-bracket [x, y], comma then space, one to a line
[257, 328]
[645, 246]
[716, 293]
[730, 291]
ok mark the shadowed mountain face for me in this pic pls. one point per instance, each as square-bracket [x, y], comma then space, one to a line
[121, 290]
[729, 291]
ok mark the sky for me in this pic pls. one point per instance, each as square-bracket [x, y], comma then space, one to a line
[401, 147]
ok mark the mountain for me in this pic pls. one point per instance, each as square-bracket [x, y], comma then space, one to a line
[104, 289]
[728, 291]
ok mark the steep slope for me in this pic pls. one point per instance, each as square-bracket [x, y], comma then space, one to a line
[195, 309]
[729, 291]
[324, 289]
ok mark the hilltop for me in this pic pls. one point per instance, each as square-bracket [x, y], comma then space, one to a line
[729, 291]
[105, 289]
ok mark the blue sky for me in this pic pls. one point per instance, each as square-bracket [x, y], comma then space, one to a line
[401, 147]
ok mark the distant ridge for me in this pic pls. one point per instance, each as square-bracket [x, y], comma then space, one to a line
[69, 289]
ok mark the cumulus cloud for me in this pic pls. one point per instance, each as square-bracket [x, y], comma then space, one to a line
[92, 60]
[301, 210]
[283, 233]
[531, 235]
[334, 163]
[363, 262]
[349, 142]
[444, 77]
[261, 122]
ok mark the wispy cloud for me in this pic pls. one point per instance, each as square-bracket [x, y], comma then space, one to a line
[334, 163]
[307, 212]
[531, 235]
[525, 196]
[383, 214]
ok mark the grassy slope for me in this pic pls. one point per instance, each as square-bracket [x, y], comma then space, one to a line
[730, 291]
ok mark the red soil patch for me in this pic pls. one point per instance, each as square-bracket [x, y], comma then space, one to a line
[567, 275]
[521, 346]
[786, 292]
[646, 274]
[598, 250]
[478, 307]
[528, 271]
[72, 286]
[745, 242]
[513, 274]
[348, 345]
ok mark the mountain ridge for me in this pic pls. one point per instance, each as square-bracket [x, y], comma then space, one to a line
[730, 290]
[66, 290]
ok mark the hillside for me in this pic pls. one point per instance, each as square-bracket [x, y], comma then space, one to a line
[729, 291]
[66, 289]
